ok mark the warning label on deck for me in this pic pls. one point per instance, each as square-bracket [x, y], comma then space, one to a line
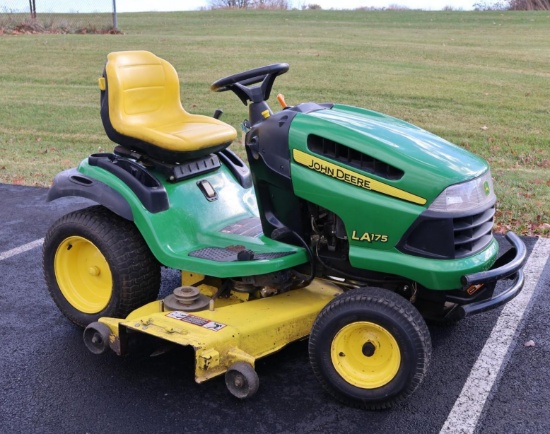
[197, 320]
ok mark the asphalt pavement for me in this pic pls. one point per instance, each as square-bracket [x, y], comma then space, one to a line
[52, 384]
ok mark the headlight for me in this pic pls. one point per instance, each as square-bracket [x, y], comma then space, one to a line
[466, 196]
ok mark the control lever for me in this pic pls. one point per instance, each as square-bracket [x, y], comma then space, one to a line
[281, 99]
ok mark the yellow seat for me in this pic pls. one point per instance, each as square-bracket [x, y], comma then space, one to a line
[141, 110]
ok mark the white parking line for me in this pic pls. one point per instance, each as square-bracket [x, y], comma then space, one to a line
[21, 249]
[492, 360]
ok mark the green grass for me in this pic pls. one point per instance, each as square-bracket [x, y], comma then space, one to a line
[478, 79]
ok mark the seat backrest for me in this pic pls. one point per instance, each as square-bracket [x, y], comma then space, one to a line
[143, 90]
[141, 111]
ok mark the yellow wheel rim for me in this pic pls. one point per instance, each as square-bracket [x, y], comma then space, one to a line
[365, 355]
[83, 275]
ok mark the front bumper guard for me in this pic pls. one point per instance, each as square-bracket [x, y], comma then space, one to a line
[508, 266]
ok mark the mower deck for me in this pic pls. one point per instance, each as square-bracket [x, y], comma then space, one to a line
[240, 332]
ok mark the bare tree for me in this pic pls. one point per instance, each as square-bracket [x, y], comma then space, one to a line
[529, 5]
[270, 4]
[233, 4]
[513, 5]
[248, 4]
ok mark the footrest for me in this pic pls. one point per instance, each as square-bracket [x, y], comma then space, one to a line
[230, 254]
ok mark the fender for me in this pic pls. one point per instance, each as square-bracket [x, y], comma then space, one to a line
[73, 183]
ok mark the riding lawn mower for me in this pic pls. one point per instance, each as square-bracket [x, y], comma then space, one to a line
[347, 226]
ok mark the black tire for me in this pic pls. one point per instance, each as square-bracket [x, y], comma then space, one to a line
[242, 380]
[370, 348]
[96, 264]
[96, 337]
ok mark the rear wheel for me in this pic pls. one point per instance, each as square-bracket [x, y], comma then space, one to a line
[370, 348]
[97, 264]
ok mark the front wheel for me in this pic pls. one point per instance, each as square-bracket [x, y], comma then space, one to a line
[370, 348]
[97, 264]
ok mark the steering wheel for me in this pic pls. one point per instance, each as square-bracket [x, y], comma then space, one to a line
[239, 83]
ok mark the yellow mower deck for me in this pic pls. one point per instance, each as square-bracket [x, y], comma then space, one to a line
[239, 332]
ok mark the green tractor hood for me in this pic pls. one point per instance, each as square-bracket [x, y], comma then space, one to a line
[380, 175]
[395, 152]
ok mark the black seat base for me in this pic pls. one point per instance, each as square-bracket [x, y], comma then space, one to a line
[174, 172]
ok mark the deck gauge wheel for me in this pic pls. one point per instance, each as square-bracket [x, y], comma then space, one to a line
[242, 380]
[96, 337]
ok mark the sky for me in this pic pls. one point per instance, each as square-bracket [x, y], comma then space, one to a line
[171, 5]
[83, 6]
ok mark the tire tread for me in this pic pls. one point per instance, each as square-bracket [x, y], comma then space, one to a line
[391, 304]
[137, 272]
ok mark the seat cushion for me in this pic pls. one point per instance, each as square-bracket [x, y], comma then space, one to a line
[141, 110]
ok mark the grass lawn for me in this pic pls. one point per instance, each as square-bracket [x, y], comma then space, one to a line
[478, 79]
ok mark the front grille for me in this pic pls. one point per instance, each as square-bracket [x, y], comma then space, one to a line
[473, 233]
[452, 237]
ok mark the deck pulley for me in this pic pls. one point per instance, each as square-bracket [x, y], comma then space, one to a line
[187, 299]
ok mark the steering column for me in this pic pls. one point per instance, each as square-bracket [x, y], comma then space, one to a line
[242, 84]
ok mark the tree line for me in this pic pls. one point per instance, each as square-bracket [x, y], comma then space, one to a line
[514, 5]
[249, 4]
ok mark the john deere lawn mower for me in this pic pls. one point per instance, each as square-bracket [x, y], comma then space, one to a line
[347, 226]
